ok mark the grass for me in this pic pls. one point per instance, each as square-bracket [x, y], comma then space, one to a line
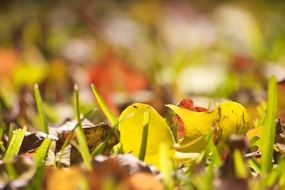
[14, 145]
[111, 118]
[80, 136]
[166, 167]
[143, 147]
[39, 104]
[269, 127]
[239, 165]
[71, 133]
[209, 159]
[41, 152]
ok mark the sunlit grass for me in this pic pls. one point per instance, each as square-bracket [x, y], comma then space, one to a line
[269, 127]
[143, 147]
[80, 136]
[111, 118]
[42, 116]
[41, 152]
[71, 133]
[14, 145]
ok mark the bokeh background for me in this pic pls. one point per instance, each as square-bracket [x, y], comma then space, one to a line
[155, 52]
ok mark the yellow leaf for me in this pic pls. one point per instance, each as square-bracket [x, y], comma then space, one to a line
[226, 119]
[131, 128]
[196, 124]
[255, 132]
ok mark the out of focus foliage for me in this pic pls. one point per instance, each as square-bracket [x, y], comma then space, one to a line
[150, 53]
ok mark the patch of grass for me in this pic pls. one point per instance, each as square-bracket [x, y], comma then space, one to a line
[269, 128]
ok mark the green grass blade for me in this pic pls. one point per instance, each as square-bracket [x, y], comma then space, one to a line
[111, 118]
[39, 104]
[239, 165]
[143, 147]
[83, 147]
[254, 165]
[2, 147]
[269, 127]
[12, 174]
[1, 132]
[41, 152]
[38, 180]
[10, 133]
[166, 166]
[15, 144]
[212, 152]
[100, 148]
[68, 138]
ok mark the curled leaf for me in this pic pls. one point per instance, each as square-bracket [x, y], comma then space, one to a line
[226, 119]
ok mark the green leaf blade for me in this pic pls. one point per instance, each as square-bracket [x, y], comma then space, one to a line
[41, 152]
[111, 118]
[83, 146]
[269, 127]
[14, 145]
[39, 104]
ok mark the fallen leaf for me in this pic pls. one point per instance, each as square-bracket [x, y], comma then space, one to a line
[226, 119]
[131, 128]
[187, 104]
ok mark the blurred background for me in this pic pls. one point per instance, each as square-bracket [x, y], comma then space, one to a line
[156, 52]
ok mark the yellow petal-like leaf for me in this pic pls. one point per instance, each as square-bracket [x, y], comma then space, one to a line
[226, 119]
[196, 124]
[131, 129]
